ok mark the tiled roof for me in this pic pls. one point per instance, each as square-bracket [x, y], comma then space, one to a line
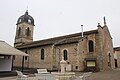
[71, 38]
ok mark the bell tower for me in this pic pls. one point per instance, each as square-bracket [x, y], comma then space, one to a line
[24, 30]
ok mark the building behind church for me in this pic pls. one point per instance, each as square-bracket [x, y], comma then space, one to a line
[117, 57]
[94, 49]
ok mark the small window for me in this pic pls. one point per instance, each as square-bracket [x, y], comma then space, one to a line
[42, 54]
[65, 55]
[29, 20]
[91, 46]
[28, 31]
[76, 67]
[109, 59]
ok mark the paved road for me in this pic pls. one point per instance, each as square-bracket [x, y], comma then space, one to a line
[105, 75]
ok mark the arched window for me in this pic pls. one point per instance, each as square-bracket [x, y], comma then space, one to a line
[20, 20]
[109, 59]
[91, 46]
[42, 54]
[65, 55]
[19, 31]
[29, 21]
[28, 31]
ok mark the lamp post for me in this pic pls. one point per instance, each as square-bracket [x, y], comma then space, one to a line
[22, 63]
[58, 59]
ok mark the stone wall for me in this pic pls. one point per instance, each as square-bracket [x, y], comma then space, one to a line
[72, 54]
[77, 52]
[105, 48]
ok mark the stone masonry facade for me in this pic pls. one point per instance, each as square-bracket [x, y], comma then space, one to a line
[95, 44]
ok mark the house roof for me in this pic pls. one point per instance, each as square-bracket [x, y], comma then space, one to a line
[117, 48]
[6, 49]
[71, 38]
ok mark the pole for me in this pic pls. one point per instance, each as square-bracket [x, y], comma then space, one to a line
[13, 57]
[82, 29]
[59, 60]
[22, 63]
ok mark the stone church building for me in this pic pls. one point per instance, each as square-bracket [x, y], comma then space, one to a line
[93, 49]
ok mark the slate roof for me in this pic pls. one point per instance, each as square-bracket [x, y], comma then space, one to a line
[26, 18]
[66, 39]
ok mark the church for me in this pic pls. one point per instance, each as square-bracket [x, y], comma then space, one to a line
[88, 50]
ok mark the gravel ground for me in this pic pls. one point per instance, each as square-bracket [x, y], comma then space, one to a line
[104, 75]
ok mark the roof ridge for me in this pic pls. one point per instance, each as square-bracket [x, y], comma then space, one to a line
[59, 38]
[2, 41]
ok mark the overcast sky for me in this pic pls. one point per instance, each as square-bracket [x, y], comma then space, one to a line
[60, 17]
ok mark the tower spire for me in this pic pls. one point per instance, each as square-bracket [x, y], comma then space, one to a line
[26, 11]
[104, 20]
